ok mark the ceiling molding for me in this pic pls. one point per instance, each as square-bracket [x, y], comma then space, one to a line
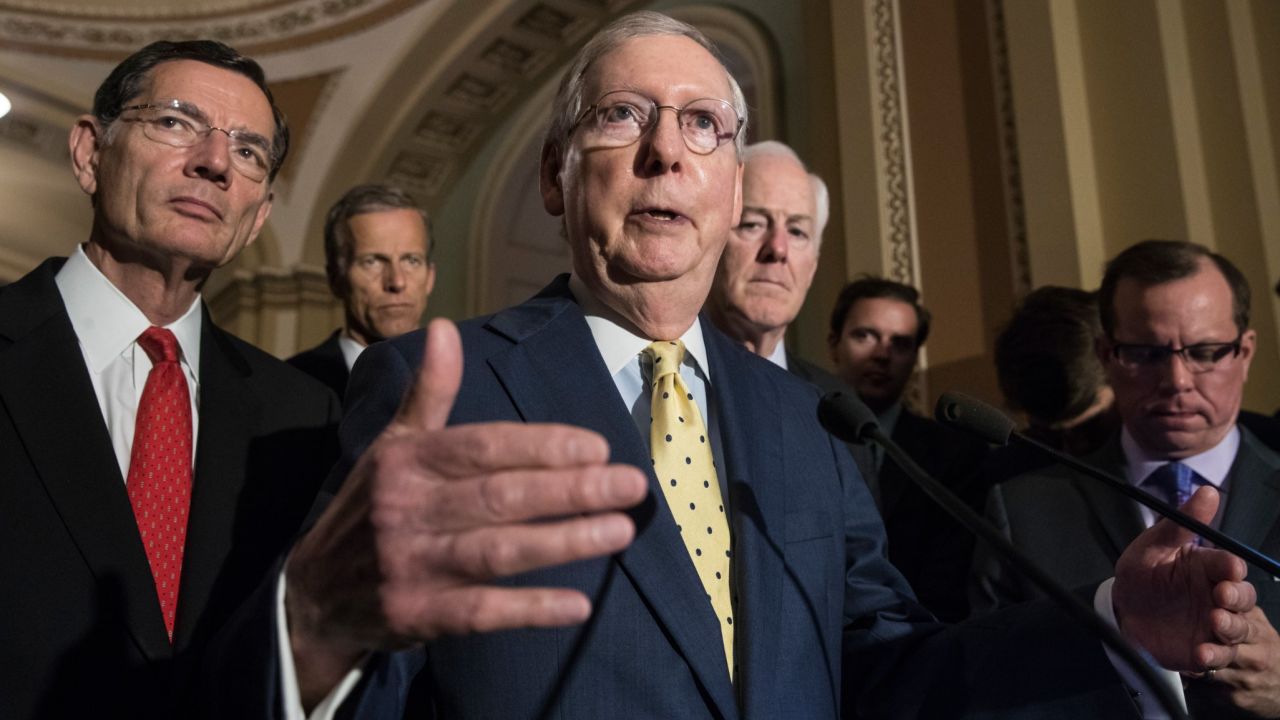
[475, 90]
[265, 28]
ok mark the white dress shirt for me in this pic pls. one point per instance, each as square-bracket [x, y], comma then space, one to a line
[351, 349]
[107, 325]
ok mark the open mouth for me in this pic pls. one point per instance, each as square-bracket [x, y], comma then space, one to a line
[660, 214]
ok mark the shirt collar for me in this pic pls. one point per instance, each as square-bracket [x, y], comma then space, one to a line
[1213, 464]
[351, 349]
[888, 420]
[107, 323]
[619, 345]
[779, 356]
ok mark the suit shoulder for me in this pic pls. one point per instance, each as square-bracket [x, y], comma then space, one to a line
[273, 376]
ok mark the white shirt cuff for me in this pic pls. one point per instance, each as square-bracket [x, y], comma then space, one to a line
[292, 698]
[1148, 704]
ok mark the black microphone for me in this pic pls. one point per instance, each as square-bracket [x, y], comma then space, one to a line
[845, 416]
[972, 415]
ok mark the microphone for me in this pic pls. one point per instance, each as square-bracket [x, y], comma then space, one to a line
[972, 415]
[845, 416]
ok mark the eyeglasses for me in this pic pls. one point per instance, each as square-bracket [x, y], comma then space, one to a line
[180, 124]
[620, 117]
[1199, 358]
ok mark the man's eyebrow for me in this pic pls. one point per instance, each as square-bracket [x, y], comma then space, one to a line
[243, 134]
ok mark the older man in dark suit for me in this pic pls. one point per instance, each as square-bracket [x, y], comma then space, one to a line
[151, 465]
[479, 514]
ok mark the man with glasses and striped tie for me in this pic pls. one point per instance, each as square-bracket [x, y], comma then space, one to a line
[1176, 346]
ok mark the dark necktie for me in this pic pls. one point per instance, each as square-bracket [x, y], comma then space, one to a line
[159, 481]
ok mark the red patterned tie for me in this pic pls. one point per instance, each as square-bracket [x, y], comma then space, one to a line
[160, 467]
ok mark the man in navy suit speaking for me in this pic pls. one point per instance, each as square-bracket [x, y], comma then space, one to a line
[594, 504]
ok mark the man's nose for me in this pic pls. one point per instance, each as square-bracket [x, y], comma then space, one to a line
[211, 156]
[1176, 374]
[664, 146]
[777, 242]
[393, 278]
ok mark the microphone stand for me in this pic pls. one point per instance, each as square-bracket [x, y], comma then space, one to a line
[867, 429]
[974, 416]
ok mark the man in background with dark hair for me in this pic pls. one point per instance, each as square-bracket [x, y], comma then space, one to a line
[1048, 368]
[1176, 346]
[377, 256]
[152, 465]
[877, 329]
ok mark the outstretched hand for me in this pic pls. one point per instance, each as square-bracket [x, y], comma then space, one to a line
[1183, 604]
[431, 515]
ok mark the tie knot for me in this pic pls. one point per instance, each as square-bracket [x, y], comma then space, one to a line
[159, 344]
[1175, 479]
[667, 356]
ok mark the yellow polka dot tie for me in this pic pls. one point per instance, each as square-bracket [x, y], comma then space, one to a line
[687, 474]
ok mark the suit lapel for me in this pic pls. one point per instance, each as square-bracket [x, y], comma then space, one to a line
[893, 481]
[753, 468]
[1118, 518]
[554, 373]
[1254, 495]
[45, 387]
[229, 414]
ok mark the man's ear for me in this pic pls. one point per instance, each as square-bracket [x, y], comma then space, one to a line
[264, 210]
[85, 143]
[549, 180]
[737, 195]
[1248, 343]
[431, 277]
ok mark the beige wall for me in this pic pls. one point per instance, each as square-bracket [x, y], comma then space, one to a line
[1037, 138]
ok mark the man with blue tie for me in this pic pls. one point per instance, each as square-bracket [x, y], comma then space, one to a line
[478, 544]
[1176, 347]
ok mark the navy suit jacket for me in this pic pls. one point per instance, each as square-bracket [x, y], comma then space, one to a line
[81, 634]
[826, 626]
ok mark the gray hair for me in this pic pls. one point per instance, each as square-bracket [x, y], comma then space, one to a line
[568, 102]
[821, 198]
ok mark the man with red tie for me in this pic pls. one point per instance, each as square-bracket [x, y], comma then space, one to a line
[151, 465]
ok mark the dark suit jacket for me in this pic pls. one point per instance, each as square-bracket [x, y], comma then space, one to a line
[81, 633]
[1075, 528]
[828, 383]
[325, 363]
[823, 617]
[930, 549]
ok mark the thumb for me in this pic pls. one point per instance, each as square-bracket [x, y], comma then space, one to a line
[1202, 506]
[429, 401]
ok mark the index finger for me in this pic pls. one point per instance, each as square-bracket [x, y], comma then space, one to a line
[473, 449]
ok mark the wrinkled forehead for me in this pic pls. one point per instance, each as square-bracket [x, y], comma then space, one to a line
[777, 182]
[225, 96]
[1199, 303]
[670, 68]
